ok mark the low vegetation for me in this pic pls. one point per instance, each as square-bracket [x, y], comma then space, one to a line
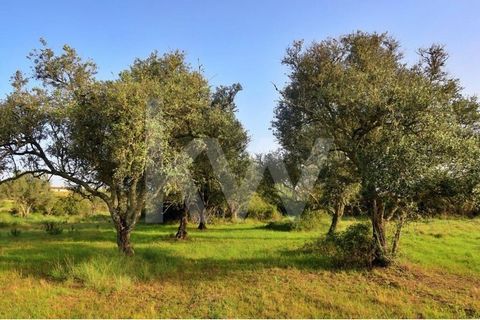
[232, 270]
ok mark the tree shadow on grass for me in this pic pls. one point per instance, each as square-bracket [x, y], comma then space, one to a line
[38, 260]
[35, 254]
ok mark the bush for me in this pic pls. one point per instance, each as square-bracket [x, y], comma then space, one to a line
[47, 206]
[260, 209]
[28, 193]
[310, 220]
[15, 232]
[284, 225]
[52, 228]
[351, 248]
[71, 205]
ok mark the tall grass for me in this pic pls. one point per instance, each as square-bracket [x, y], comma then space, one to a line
[105, 274]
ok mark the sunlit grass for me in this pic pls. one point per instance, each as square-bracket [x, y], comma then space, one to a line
[232, 270]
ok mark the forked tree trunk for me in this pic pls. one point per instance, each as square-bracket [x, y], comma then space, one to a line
[24, 210]
[203, 220]
[380, 258]
[124, 224]
[337, 215]
[182, 228]
[125, 217]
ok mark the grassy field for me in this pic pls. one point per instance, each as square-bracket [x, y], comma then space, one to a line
[230, 270]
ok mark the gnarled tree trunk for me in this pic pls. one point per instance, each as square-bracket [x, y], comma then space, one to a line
[123, 241]
[376, 209]
[125, 210]
[24, 210]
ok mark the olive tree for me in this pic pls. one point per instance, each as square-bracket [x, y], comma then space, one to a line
[230, 139]
[28, 193]
[395, 124]
[119, 140]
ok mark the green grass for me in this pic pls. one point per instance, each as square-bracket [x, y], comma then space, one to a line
[232, 270]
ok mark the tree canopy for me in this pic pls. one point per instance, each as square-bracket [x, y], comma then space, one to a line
[395, 126]
[118, 139]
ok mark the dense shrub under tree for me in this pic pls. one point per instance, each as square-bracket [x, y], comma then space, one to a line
[353, 247]
[260, 209]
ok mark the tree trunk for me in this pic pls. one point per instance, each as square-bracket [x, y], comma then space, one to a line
[123, 241]
[203, 220]
[398, 231]
[182, 228]
[233, 212]
[24, 210]
[380, 258]
[337, 215]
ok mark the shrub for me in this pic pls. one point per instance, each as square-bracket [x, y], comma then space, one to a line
[52, 228]
[15, 232]
[28, 193]
[260, 209]
[47, 206]
[351, 248]
[284, 225]
[71, 205]
[310, 220]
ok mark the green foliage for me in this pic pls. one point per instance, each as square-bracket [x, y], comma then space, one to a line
[310, 220]
[109, 138]
[261, 210]
[29, 194]
[72, 205]
[351, 248]
[282, 225]
[393, 127]
[267, 188]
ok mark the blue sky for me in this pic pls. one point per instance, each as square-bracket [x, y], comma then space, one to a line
[235, 41]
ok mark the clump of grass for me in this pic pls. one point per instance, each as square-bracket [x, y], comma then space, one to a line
[52, 228]
[15, 232]
[104, 274]
[72, 229]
